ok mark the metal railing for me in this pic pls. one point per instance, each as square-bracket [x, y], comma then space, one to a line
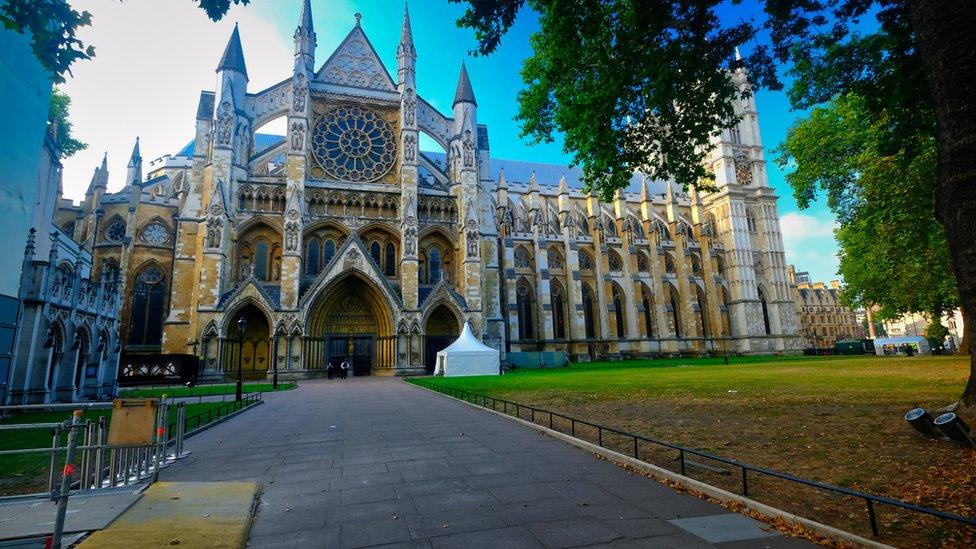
[520, 410]
[91, 464]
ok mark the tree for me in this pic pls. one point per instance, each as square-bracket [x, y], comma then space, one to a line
[54, 25]
[935, 333]
[633, 83]
[893, 252]
[58, 115]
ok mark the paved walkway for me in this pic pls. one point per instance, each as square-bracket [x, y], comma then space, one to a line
[369, 462]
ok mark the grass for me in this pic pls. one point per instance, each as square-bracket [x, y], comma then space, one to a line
[204, 390]
[28, 473]
[834, 419]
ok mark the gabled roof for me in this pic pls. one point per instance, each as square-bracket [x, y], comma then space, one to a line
[356, 64]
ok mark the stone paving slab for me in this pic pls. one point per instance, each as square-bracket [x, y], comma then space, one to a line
[30, 517]
[377, 463]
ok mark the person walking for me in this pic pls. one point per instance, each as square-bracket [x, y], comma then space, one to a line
[345, 368]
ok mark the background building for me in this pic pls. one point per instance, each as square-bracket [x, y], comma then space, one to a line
[342, 239]
[914, 324]
[824, 319]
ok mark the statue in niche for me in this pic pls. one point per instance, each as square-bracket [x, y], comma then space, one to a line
[299, 90]
[410, 241]
[214, 230]
[467, 145]
[225, 124]
[291, 235]
[409, 107]
[472, 241]
[297, 136]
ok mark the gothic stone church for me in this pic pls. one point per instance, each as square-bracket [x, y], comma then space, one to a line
[344, 239]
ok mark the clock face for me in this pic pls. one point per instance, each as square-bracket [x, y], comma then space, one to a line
[115, 231]
[353, 144]
[743, 171]
[155, 233]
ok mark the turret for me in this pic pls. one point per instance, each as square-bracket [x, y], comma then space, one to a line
[305, 40]
[466, 120]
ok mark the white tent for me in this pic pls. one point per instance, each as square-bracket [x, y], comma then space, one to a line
[468, 357]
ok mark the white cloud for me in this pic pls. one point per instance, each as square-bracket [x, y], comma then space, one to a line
[809, 244]
[152, 60]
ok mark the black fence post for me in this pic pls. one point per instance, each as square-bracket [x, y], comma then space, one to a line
[681, 456]
[874, 520]
[745, 482]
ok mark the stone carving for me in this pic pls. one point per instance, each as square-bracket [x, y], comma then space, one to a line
[299, 90]
[409, 148]
[410, 242]
[409, 107]
[293, 226]
[246, 270]
[467, 146]
[214, 231]
[743, 168]
[297, 137]
[472, 242]
[355, 65]
[225, 124]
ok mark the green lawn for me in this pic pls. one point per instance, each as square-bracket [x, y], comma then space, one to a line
[834, 419]
[27, 473]
[204, 390]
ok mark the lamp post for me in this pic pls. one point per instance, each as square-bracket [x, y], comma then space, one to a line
[241, 328]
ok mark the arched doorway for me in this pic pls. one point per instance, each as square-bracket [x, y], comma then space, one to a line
[440, 331]
[351, 319]
[251, 350]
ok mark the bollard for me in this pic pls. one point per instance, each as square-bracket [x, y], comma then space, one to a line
[69, 468]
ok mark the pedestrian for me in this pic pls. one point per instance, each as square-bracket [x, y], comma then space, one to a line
[345, 368]
[330, 369]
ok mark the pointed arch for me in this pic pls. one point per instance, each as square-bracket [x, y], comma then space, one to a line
[764, 306]
[674, 307]
[647, 309]
[589, 311]
[147, 304]
[619, 301]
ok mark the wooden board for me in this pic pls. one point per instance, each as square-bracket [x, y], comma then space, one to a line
[133, 421]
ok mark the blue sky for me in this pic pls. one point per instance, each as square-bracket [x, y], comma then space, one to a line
[152, 61]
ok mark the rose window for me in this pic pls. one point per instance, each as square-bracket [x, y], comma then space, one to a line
[353, 144]
[115, 231]
[155, 233]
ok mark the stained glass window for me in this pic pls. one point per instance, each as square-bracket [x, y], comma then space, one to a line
[115, 231]
[146, 324]
[353, 144]
[390, 259]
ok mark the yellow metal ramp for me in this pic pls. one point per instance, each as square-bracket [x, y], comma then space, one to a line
[202, 515]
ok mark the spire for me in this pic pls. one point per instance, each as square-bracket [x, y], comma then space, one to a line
[533, 183]
[233, 58]
[563, 187]
[96, 177]
[502, 184]
[136, 158]
[464, 93]
[645, 194]
[406, 35]
[670, 193]
[305, 36]
[105, 162]
[134, 173]
[305, 21]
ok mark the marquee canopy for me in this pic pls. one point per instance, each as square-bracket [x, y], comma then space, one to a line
[468, 357]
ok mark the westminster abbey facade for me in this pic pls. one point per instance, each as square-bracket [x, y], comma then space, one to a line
[343, 239]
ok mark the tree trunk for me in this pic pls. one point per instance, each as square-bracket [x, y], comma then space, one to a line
[947, 35]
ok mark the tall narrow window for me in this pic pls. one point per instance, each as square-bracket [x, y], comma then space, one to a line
[376, 254]
[588, 312]
[329, 251]
[435, 265]
[765, 312]
[675, 312]
[56, 343]
[261, 261]
[82, 357]
[313, 258]
[703, 313]
[391, 266]
[648, 311]
[524, 301]
[558, 314]
[618, 311]
[146, 321]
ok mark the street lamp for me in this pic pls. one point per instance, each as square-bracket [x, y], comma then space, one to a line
[274, 365]
[241, 328]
